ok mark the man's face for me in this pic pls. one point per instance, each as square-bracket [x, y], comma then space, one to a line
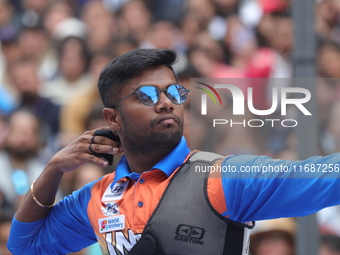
[22, 140]
[150, 128]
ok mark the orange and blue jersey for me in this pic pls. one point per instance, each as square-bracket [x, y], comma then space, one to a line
[114, 209]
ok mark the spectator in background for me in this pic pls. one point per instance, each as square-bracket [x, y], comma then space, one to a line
[75, 113]
[239, 43]
[33, 9]
[85, 174]
[72, 78]
[273, 237]
[163, 35]
[184, 79]
[11, 52]
[135, 20]
[326, 95]
[330, 245]
[327, 13]
[169, 10]
[204, 12]
[123, 45]
[95, 119]
[190, 29]
[227, 7]
[35, 43]
[282, 40]
[5, 209]
[55, 13]
[328, 59]
[329, 220]
[8, 17]
[251, 12]
[5, 225]
[19, 157]
[330, 136]
[272, 58]
[101, 24]
[24, 75]
[207, 57]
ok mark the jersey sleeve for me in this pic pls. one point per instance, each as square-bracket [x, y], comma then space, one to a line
[293, 191]
[65, 229]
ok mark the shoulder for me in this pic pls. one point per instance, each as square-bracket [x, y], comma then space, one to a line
[80, 199]
[98, 187]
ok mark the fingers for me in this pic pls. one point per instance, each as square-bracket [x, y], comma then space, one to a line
[85, 149]
[102, 149]
[95, 160]
[105, 141]
[105, 138]
[85, 152]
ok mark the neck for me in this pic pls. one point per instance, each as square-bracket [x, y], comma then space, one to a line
[140, 162]
[18, 163]
[29, 99]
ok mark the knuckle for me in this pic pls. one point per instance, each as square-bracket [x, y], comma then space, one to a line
[93, 158]
[78, 157]
[101, 139]
[77, 146]
[86, 133]
[82, 139]
[109, 148]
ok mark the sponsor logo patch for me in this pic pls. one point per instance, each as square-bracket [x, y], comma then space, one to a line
[110, 208]
[190, 234]
[111, 223]
[114, 193]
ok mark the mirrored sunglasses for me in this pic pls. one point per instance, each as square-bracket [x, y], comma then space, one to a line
[149, 95]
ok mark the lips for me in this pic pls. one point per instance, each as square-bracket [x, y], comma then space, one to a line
[167, 117]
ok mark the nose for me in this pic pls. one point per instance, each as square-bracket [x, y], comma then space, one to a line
[164, 103]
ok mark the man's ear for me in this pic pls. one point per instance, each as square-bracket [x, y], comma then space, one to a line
[112, 117]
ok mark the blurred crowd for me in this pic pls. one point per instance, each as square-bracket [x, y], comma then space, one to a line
[52, 52]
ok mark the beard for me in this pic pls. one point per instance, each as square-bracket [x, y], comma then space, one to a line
[21, 153]
[148, 140]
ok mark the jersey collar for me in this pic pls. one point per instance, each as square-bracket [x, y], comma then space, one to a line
[168, 164]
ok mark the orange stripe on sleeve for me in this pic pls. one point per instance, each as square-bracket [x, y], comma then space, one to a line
[215, 191]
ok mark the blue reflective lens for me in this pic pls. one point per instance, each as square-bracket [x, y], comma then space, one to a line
[149, 95]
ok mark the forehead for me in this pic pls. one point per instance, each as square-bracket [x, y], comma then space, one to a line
[23, 120]
[160, 76]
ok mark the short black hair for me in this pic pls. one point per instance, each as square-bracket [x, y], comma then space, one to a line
[128, 66]
[84, 50]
